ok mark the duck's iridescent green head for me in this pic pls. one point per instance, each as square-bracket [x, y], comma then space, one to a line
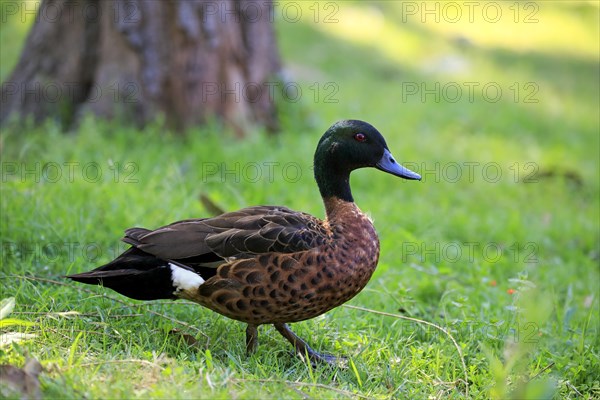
[348, 145]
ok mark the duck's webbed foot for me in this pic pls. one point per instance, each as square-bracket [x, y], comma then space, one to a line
[303, 349]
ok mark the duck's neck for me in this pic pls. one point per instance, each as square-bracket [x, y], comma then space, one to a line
[333, 182]
[338, 210]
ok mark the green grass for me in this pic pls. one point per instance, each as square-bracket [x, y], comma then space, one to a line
[507, 265]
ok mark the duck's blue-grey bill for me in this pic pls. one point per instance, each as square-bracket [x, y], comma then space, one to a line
[389, 165]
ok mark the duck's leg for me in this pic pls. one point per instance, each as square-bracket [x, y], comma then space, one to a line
[251, 338]
[302, 348]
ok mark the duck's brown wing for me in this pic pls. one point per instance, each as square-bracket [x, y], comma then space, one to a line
[240, 234]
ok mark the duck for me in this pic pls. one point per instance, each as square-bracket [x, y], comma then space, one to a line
[266, 264]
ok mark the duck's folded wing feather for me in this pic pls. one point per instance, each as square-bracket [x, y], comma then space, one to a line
[240, 234]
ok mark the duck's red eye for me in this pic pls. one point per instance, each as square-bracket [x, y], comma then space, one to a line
[361, 137]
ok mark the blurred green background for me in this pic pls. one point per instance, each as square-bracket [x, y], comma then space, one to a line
[499, 244]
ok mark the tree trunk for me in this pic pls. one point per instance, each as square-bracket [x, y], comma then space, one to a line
[188, 60]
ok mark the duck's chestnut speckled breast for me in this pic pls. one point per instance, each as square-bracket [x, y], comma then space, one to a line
[293, 287]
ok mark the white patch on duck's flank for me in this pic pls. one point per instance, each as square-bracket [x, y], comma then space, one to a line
[184, 279]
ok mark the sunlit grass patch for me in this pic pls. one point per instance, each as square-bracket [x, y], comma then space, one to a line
[509, 205]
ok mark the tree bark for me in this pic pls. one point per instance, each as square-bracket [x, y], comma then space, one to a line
[188, 60]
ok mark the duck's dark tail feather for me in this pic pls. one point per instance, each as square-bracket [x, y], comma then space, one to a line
[134, 274]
